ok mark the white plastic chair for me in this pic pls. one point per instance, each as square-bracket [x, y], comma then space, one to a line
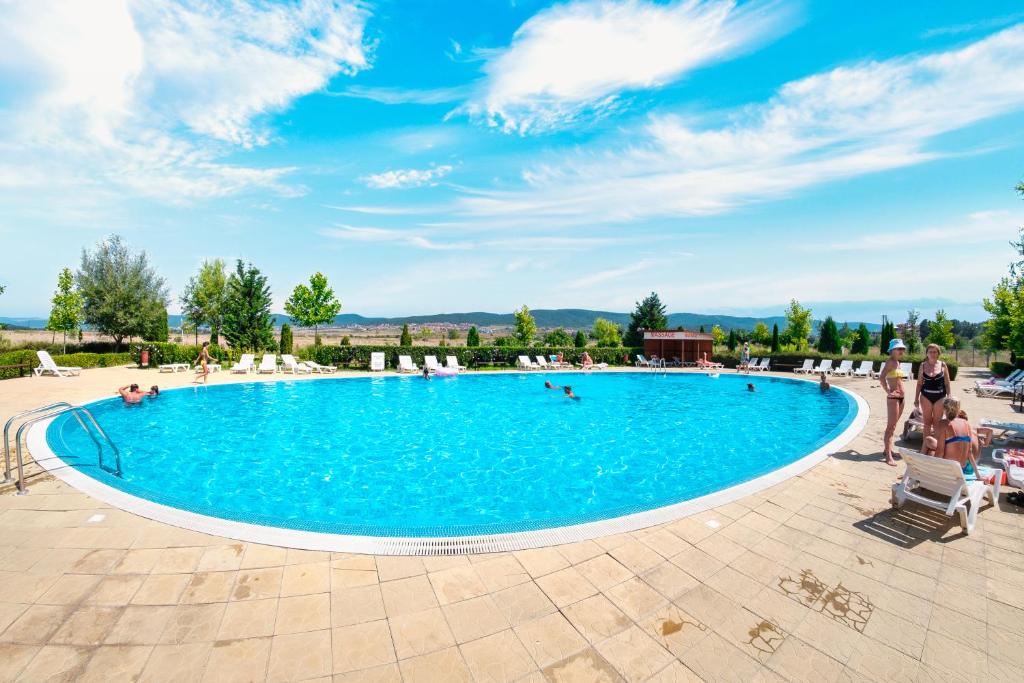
[48, 366]
[377, 361]
[405, 364]
[946, 479]
[245, 364]
[806, 368]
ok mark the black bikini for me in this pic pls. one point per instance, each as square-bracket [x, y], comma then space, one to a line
[933, 387]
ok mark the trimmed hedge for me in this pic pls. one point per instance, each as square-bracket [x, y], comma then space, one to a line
[17, 358]
[81, 360]
[470, 357]
[73, 347]
[1000, 368]
[166, 352]
[788, 360]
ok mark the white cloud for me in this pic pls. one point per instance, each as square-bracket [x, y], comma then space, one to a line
[850, 121]
[976, 228]
[150, 96]
[403, 178]
[574, 59]
[352, 233]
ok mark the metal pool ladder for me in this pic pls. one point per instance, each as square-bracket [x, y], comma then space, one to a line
[44, 413]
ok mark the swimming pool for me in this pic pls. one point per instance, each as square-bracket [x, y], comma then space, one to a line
[477, 454]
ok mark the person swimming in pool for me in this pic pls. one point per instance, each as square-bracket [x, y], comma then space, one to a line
[426, 372]
[751, 387]
[956, 440]
[132, 393]
[823, 385]
[568, 393]
[549, 385]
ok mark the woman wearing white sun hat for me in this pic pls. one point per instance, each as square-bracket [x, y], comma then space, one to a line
[892, 383]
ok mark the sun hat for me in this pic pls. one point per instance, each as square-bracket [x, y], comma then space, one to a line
[896, 344]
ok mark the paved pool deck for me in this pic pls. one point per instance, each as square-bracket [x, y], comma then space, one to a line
[815, 578]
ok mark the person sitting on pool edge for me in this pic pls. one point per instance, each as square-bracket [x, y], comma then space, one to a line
[568, 393]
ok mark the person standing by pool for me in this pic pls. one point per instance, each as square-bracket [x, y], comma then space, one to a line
[203, 360]
[744, 358]
[892, 383]
[932, 388]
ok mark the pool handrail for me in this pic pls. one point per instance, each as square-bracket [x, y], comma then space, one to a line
[44, 413]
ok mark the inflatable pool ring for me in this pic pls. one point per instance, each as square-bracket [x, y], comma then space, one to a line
[446, 372]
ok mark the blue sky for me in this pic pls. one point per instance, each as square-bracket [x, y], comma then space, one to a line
[455, 156]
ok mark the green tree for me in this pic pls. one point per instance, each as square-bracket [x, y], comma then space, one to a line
[912, 334]
[941, 330]
[731, 340]
[473, 337]
[1003, 329]
[345, 341]
[558, 338]
[454, 334]
[798, 324]
[202, 300]
[157, 330]
[887, 334]
[717, 335]
[702, 329]
[66, 314]
[649, 314]
[247, 323]
[526, 327]
[121, 292]
[313, 306]
[607, 333]
[761, 335]
[286, 338]
[580, 340]
[775, 338]
[406, 337]
[828, 336]
[861, 340]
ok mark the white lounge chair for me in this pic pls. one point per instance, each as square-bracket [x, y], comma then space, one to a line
[268, 364]
[806, 368]
[48, 367]
[553, 362]
[642, 362]
[1013, 465]
[907, 369]
[995, 390]
[289, 364]
[946, 479]
[525, 363]
[543, 364]
[245, 364]
[377, 361]
[845, 368]
[749, 365]
[1012, 378]
[865, 369]
[431, 363]
[173, 367]
[1014, 430]
[405, 364]
[452, 363]
[825, 366]
[763, 366]
[316, 367]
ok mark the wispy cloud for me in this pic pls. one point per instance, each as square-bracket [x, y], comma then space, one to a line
[421, 240]
[846, 122]
[386, 95]
[575, 59]
[152, 96]
[977, 228]
[404, 178]
[974, 26]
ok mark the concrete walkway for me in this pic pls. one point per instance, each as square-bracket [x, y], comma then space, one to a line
[813, 579]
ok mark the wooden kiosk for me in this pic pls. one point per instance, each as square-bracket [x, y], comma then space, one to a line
[682, 344]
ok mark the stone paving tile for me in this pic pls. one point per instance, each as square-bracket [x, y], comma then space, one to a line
[56, 663]
[497, 658]
[419, 633]
[550, 639]
[474, 618]
[362, 646]
[116, 663]
[300, 656]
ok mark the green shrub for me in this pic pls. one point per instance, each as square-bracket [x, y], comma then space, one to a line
[81, 360]
[1001, 369]
[359, 356]
[17, 358]
[162, 353]
[286, 338]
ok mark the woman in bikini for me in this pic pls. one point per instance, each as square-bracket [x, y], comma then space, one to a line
[956, 442]
[932, 388]
[892, 384]
[203, 360]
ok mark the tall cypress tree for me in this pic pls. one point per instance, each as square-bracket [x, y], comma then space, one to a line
[775, 338]
[885, 338]
[473, 337]
[406, 338]
[731, 341]
[247, 323]
[828, 336]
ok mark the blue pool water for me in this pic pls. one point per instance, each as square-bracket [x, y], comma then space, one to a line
[474, 454]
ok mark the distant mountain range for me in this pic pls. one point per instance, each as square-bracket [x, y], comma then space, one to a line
[571, 318]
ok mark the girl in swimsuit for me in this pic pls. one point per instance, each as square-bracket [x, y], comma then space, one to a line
[956, 441]
[932, 387]
[892, 383]
[203, 360]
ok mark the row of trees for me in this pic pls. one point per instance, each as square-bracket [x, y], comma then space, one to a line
[1005, 327]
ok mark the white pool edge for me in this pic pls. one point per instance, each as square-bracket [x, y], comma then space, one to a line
[453, 545]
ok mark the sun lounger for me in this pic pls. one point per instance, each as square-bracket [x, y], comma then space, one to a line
[316, 367]
[452, 363]
[642, 362]
[405, 364]
[907, 369]
[995, 390]
[47, 366]
[431, 364]
[554, 362]
[543, 364]
[377, 361]
[1012, 378]
[845, 368]
[525, 363]
[763, 366]
[748, 365]
[1013, 430]
[946, 479]
[865, 369]
[289, 364]
[212, 367]
[268, 364]
[1013, 464]
[173, 367]
[245, 364]
[806, 368]
[825, 366]
[593, 366]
